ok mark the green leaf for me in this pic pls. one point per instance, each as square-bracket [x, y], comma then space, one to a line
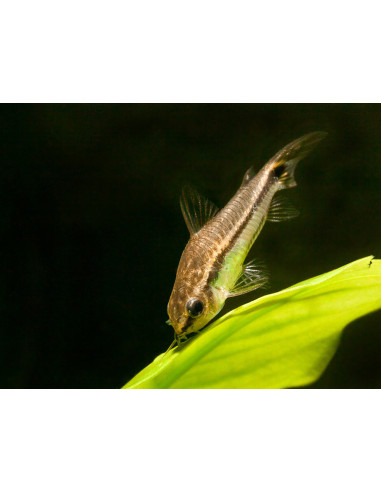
[278, 341]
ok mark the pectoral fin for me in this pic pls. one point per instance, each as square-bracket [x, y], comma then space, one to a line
[251, 278]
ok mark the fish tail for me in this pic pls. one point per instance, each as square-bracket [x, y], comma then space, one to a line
[283, 164]
[284, 171]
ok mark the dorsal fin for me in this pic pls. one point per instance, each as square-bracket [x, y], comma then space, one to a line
[196, 209]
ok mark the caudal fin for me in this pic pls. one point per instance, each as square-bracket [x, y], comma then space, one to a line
[284, 162]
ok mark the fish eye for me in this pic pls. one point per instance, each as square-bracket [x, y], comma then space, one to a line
[195, 307]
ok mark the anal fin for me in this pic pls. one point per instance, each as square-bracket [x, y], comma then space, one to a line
[281, 209]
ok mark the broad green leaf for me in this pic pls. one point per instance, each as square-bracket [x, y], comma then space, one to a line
[278, 341]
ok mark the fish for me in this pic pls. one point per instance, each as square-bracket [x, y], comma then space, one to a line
[212, 266]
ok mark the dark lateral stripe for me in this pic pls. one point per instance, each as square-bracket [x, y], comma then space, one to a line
[220, 258]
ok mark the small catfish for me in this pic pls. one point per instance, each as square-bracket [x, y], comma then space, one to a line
[212, 268]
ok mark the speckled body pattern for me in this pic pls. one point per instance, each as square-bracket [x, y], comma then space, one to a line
[213, 259]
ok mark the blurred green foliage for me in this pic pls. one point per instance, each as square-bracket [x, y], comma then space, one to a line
[278, 341]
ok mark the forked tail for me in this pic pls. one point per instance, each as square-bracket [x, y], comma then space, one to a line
[284, 162]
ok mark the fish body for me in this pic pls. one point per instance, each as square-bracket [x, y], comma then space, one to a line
[211, 268]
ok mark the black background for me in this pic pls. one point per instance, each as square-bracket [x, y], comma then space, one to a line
[92, 230]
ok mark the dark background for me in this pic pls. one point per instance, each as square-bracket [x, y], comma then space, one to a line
[92, 231]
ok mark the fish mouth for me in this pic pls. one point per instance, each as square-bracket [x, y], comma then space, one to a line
[182, 325]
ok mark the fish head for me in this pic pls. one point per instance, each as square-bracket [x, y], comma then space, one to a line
[191, 308]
